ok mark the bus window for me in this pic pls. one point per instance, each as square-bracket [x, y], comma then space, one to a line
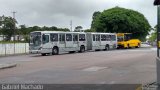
[108, 37]
[113, 37]
[127, 37]
[68, 37]
[120, 38]
[82, 37]
[61, 37]
[94, 38]
[54, 37]
[97, 37]
[103, 37]
[35, 39]
[45, 38]
[75, 37]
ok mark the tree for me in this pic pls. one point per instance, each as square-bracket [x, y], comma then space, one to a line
[78, 28]
[7, 26]
[23, 29]
[121, 20]
[89, 30]
[94, 17]
[153, 35]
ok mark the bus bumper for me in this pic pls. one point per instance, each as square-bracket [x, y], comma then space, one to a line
[34, 51]
[120, 46]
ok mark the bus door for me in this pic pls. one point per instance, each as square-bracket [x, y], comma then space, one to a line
[69, 41]
[108, 39]
[62, 40]
[46, 41]
[75, 40]
[103, 40]
[113, 41]
[97, 42]
[82, 40]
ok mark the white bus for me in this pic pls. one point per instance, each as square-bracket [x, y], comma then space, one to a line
[52, 42]
[101, 41]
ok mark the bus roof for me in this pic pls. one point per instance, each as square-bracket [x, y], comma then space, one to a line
[56, 32]
[122, 34]
[101, 33]
[73, 32]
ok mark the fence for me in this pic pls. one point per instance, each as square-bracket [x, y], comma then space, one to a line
[13, 49]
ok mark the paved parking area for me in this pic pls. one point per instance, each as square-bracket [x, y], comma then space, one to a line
[126, 66]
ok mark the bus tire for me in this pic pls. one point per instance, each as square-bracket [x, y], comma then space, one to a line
[55, 51]
[82, 49]
[107, 47]
[72, 51]
[138, 46]
[43, 54]
[128, 46]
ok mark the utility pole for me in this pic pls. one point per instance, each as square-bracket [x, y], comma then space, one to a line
[71, 25]
[158, 46]
[14, 28]
[157, 3]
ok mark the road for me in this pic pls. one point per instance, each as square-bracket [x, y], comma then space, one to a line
[126, 66]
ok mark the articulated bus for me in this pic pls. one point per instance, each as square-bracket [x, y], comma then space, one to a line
[101, 41]
[52, 42]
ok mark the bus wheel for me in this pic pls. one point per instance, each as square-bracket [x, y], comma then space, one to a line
[82, 49]
[72, 51]
[107, 47]
[129, 46]
[43, 54]
[138, 46]
[55, 51]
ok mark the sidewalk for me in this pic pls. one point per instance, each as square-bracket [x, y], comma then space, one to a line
[145, 45]
[11, 61]
[7, 65]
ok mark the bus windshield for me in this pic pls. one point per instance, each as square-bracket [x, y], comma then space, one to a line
[35, 39]
[127, 37]
[120, 38]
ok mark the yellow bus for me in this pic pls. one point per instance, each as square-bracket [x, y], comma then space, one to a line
[125, 41]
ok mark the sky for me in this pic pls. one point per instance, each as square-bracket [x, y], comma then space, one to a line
[60, 13]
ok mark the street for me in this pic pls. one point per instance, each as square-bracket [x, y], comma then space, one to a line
[123, 66]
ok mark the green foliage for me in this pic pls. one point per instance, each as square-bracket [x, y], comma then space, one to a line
[26, 30]
[78, 28]
[153, 35]
[121, 20]
[95, 17]
[90, 30]
[7, 26]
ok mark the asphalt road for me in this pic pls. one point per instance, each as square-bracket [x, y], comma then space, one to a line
[127, 66]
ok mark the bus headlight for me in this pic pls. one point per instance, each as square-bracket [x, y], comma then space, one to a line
[40, 48]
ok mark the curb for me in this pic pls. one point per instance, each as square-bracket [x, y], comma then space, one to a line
[12, 55]
[5, 66]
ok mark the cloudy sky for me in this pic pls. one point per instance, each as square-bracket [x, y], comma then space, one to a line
[60, 12]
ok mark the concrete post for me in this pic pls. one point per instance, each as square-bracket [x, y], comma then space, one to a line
[158, 47]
